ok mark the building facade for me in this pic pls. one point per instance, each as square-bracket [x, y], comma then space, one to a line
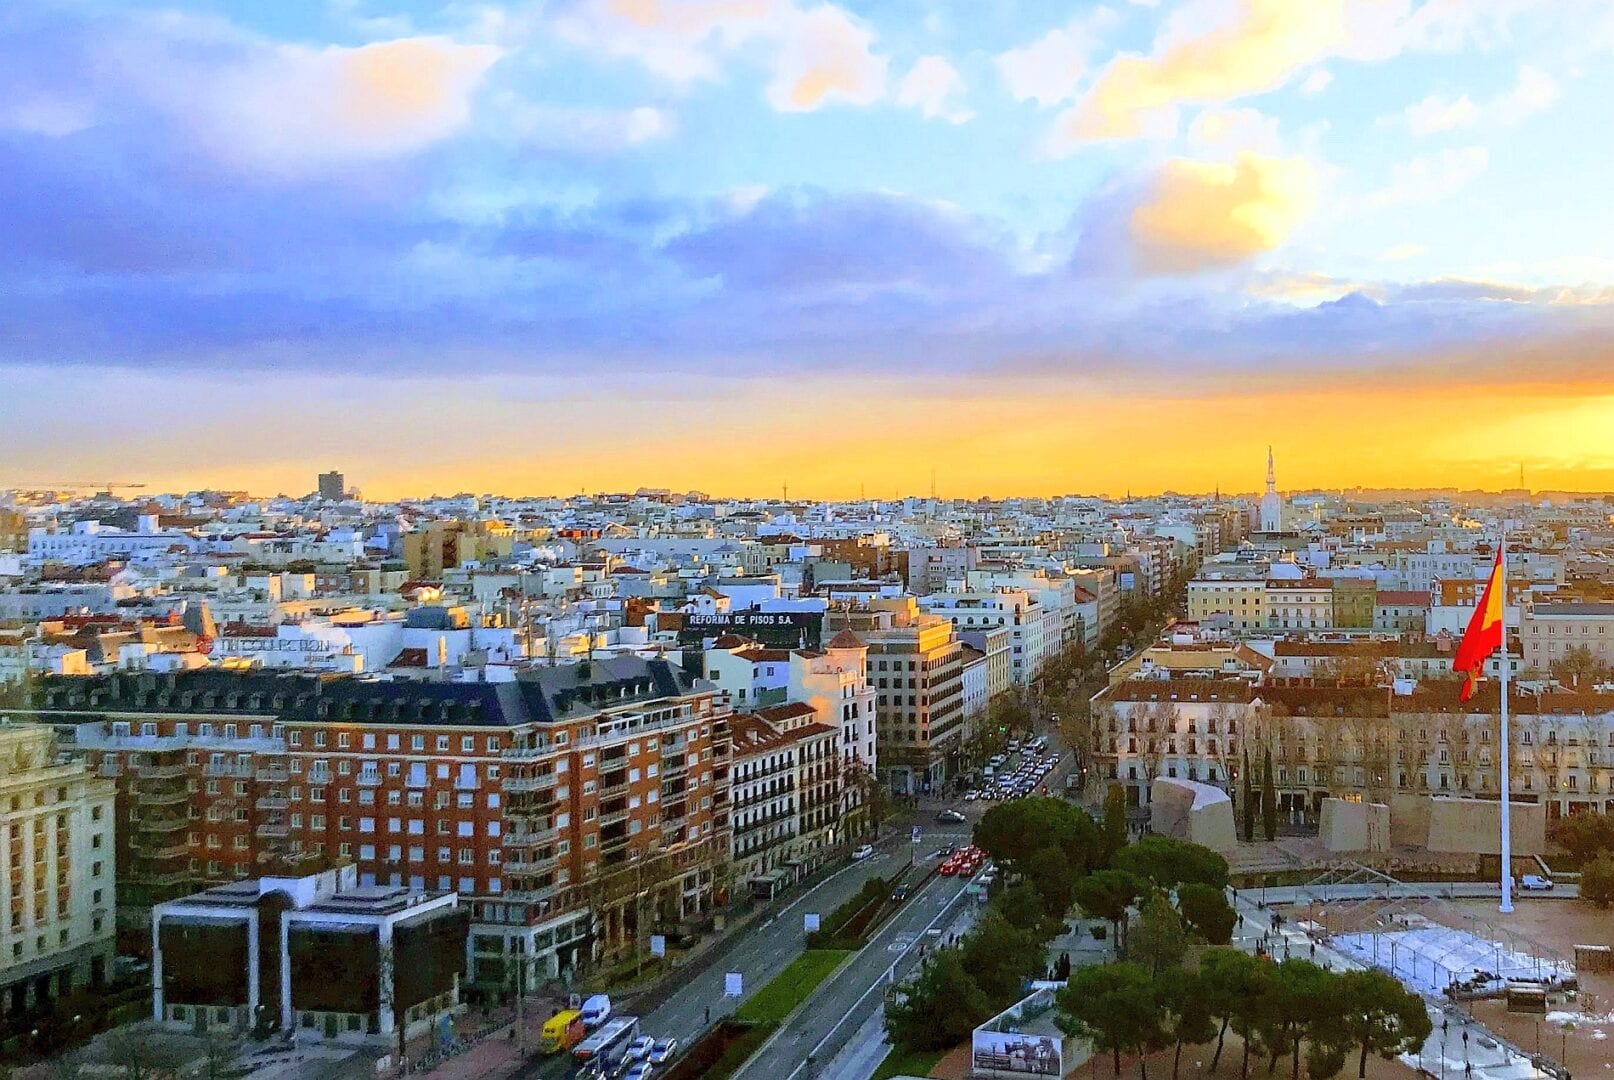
[56, 837]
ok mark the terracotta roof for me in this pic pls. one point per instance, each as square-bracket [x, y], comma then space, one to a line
[758, 655]
[1181, 689]
[1403, 597]
[1288, 647]
[845, 640]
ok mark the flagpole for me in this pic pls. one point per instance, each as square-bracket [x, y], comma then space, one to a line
[1507, 825]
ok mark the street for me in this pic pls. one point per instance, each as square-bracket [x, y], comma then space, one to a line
[841, 1005]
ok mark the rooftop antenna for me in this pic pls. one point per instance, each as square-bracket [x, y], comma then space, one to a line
[787, 491]
[932, 483]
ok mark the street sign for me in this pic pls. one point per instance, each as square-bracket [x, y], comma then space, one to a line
[810, 922]
[658, 944]
[733, 984]
[917, 833]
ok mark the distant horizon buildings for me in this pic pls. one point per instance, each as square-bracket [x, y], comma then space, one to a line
[332, 486]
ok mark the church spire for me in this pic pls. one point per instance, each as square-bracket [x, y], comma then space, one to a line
[1272, 473]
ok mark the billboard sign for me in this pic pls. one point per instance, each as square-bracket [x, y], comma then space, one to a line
[1003, 1053]
[784, 629]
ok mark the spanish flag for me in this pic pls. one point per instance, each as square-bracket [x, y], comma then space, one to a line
[1484, 634]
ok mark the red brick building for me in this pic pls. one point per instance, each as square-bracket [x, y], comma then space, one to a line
[577, 808]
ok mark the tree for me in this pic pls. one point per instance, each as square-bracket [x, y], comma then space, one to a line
[1248, 800]
[1269, 800]
[938, 1008]
[1301, 1001]
[1107, 895]
[1157, 939]
[1583, 836]
[1207, 912]
[872, 794]
[1380, 1015]
[1047, 841]
[1115, 1007]
[1022, 906]
[1186, 1015]
[1168, 862]
[1232, 984]
[999, 957]
[1580, 663]
[1597, 880]
[1114, 821]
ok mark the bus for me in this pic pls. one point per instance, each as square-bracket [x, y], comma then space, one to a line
[607, 1045]
[562, 1031]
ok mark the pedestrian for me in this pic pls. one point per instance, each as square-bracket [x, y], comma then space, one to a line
[1314, 950]
[708, 1016]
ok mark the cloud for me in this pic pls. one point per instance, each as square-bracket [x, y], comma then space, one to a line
[1404, 251]
[1434, 114]
[826, 56]
[1049, 69]
[295, 110]
[1236, 129]
[1217, 50]
[1534, 91]
[930, 86]
[1317, 81]
[1199, 215]
[1435, 176]
[815, 55]
[583, 130]
[53, 117]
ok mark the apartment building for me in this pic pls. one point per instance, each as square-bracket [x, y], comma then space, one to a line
[917, 671]
[1356, 741]
[785, 795]
[1550, 631]
[835, 682]
[1014, 610]
[1242, 600]
[56, 838]
[1401, 610]
[1299, 604]
[575, 808]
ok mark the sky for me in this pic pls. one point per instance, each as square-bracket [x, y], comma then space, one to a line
[1032, 248]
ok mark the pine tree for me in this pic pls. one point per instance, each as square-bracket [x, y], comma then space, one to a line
[1269, 799]
[1248, 800]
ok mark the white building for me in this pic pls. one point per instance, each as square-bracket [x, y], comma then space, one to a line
[1271, 512]
[56, 826]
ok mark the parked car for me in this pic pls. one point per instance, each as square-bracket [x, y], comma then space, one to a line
[639, 1049]
[641, 1070]
[1535, 883]
[663, 1051]
[950, 817]
[863, 852]
[899, 894]
[596, 1010]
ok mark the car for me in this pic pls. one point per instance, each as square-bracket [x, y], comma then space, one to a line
[1535, 883]
[950, 817]
[971, 795]
[863, 852]
[639, 1049]
[641, 1070]
[899, 894]
[663, 1051]
[948, 868]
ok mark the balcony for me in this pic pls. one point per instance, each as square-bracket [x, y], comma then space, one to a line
[273, 802]
[273, 775]
[615, 791]
[161, 824]
[163, 853]
[365, 779]
[530, 783]
[615, 816]
[273, 830]
[161, 797]
[161, 772]
[109, 769]
[525, 838]
[223, 768]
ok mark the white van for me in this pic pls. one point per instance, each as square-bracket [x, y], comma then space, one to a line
[596, 1010]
